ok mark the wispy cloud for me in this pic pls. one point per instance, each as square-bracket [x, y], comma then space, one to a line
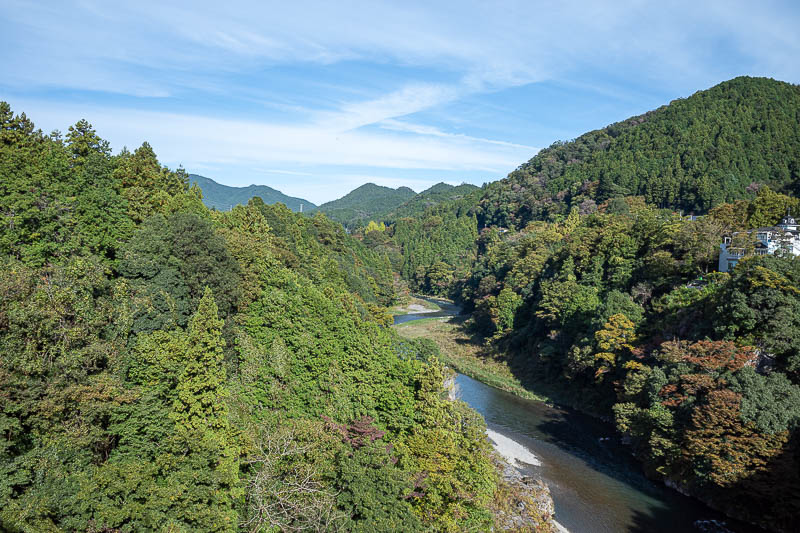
[193, 139]
[278, 171]
[488, 45]
[397, 125]
[405, 101]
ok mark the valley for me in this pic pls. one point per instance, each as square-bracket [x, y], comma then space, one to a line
[177, 353]
[595, 484]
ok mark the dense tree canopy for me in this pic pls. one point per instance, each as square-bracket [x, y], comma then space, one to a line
[581, 270]
[364, 203]
[163, 365]
[716, 146]
[166, 367]
[624, 312]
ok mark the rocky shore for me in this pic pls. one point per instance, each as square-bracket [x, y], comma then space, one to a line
[523, 502]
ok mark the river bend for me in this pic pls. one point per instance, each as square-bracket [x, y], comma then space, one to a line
[596, 485]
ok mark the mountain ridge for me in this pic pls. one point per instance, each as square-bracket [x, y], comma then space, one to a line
[431, 197]
[365, 202]
[223, 197]
[717, 145]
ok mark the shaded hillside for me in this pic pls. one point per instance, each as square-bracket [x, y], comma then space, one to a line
[716, 146]
[431, 238]
[593, 286]
[361, 205]
[222, 198]
[587, 282]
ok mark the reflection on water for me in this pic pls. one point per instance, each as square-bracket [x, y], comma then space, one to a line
[596, 485]
[447, 309]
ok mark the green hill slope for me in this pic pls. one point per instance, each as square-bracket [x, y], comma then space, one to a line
[364, 203]
[593, 288]
[436, 195]
[222, 198]
[716, 146]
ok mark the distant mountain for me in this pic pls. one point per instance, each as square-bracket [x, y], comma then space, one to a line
[222, 198]
[366, 203]
[438, 194]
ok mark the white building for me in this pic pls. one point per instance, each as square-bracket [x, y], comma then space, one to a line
[782, 240]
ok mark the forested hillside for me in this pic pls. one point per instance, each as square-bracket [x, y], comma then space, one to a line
[223, 198]
[167, 367]
[438, 194]
[164, 365]
[430, 239]
[718, 145]
[623, 314]
[365, 203]
[589, 283]
[438, 247]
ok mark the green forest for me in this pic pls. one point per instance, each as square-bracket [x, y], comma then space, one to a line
[373, 203]
[624, 314]
[365, 203]
[441, 193]
[166, 367]
[716, 146]
[584, 277]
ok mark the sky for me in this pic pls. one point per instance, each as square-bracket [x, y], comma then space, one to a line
[317, 98]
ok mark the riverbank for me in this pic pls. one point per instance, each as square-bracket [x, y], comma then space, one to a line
[475, 358]
[523, 503]
[595, 483]
[413, 305]
[467, 355]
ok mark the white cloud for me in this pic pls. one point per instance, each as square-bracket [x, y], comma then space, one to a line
[420, 129]
[281, 171]
[405, 101]
[487, 45]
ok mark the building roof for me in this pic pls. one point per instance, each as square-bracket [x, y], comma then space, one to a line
[773, 229]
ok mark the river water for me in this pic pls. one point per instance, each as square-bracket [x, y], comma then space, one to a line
[596, 485]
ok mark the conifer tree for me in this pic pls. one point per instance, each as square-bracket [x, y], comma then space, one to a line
[200, 402]
[205, 480]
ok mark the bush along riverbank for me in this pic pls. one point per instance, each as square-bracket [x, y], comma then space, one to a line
[412, 305]
[465, 354]
[474, 356]
[521, 502]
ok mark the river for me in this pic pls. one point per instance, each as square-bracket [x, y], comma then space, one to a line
[596, 485]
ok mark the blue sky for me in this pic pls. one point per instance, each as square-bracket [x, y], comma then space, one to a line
[316, 98]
